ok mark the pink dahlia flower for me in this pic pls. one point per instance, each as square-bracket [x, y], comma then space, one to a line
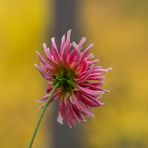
[80, 80]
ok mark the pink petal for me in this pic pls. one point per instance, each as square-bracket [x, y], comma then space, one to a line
[43, 72]
[79, 115]
[89, 102]
[60, 118]
[55, 51]
[61, 109]
[62, 45]
[42, 60]
[85, 52]
[82, 108]
[82, 42]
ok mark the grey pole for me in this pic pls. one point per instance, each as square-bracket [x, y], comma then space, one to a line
[65, 18]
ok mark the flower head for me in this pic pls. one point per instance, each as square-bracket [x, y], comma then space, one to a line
[80, 80]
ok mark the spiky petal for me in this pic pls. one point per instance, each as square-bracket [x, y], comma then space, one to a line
[80, 79]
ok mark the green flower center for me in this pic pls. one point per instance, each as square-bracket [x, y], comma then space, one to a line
[65, 79]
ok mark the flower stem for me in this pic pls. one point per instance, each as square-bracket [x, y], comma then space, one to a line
[42, 114]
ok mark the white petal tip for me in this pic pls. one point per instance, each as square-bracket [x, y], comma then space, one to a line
[84, 38]
[102, 103]
[44, 45]
[38, 101]
[92, 44]
[37, 52]
[75, 45]
[69, 31]
[60, 119]
[36, 65]
[109, 69]
[53, 38]
[61, 122]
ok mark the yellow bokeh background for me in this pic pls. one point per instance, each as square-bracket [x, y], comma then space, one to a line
[23, 29]
[119, 30]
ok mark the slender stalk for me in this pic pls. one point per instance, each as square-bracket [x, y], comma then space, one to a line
[42, 114]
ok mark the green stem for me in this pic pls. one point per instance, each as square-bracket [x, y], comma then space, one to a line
[42, 114]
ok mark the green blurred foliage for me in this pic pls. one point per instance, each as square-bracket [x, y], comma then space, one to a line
[119, 31]
[23, 28]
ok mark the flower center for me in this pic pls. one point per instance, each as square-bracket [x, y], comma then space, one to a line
[65, 79]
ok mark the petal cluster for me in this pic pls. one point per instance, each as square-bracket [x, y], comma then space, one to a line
[81, 81]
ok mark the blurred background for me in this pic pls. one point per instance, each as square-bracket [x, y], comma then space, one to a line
[119, 30]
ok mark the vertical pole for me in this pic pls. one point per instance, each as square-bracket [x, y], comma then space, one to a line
[65, 18]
